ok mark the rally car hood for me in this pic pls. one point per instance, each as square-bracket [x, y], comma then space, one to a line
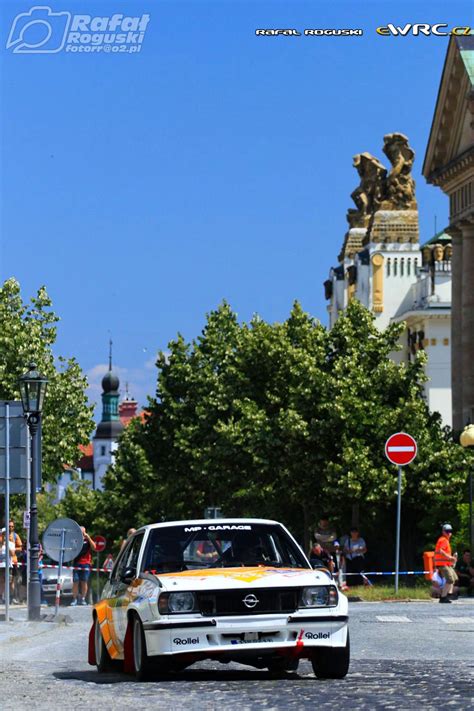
[231, 578]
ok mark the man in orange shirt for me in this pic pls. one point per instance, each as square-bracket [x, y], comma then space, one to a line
[445, 561]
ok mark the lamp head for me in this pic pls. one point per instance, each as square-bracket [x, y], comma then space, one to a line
[32, 390]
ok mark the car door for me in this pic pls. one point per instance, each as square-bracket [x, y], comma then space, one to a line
[122, 586]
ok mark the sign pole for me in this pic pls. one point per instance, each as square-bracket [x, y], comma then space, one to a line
[399, 511]
[7, 513]
[400, 449]
[97, 576]
[60, 572]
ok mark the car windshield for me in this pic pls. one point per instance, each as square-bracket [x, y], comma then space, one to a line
[221, 545]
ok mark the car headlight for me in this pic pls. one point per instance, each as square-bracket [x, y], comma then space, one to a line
[319, 596]
[171, 603]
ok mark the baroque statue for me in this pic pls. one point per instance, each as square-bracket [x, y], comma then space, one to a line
[400, 186]
[369, 194]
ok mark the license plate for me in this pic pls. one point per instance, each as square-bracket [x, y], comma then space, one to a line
[251, 636]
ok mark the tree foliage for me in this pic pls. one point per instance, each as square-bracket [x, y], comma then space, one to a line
[285, 420]
[27, 334]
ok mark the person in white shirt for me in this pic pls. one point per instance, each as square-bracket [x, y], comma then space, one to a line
[3, 557]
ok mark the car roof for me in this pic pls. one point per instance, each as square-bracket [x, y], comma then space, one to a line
[209, 521]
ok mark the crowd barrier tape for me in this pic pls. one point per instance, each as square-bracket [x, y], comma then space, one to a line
[363, 572]
[392, 572]
[67, 567]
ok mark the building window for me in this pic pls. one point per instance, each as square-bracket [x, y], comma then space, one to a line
[388, 266]
[408, 267]
[395, 267]
[102, 450]
[402, 267]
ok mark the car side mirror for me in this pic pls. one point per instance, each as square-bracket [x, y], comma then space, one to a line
[128, 575]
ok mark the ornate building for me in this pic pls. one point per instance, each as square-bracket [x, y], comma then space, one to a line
[99, 454]
[383, 265]
[449, 164]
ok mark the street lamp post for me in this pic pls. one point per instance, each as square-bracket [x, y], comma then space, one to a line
[32, 390]
[467, 440]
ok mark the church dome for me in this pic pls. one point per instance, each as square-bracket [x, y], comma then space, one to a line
[110, 382]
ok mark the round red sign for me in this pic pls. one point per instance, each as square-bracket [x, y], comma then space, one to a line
[400, 449]
[100, 543]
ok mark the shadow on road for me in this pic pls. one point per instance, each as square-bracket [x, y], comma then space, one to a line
[189, 675]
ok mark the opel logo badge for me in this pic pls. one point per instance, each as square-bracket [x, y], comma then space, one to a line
[250, 601]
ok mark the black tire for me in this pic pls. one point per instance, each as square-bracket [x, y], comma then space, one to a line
[283, 665]
[141, 660]
[102, 658]
[331, 662]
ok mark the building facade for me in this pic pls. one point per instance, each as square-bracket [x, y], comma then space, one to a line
[98, 455]
[449, 164]
[383, 265]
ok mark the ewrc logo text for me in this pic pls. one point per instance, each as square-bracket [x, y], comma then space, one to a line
[42, 31]
[440, 29]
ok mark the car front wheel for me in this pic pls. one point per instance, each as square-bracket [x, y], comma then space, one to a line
[141, 661]
[331, 662]
[102, 658]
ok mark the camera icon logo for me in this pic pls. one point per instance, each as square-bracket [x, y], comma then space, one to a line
[38, 31]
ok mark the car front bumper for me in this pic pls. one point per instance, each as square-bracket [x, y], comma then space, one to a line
[257, 634]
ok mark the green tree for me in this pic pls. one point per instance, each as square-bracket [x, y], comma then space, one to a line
[133, 494]
[28, 333]
[286, 420]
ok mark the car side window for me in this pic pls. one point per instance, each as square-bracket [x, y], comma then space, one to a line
[133, 552]
[121, 561]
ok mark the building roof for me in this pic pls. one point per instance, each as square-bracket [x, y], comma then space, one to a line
[108, 429]
[439, 238]
[450, 134]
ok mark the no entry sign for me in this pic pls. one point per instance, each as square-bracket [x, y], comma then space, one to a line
[100, 543]
[400, 449]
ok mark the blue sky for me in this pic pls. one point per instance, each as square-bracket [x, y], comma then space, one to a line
[143, 189]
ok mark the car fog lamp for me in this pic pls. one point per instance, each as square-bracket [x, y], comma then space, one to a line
[181, 602]
[320, 596]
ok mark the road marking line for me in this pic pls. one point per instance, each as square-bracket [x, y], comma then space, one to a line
[392, 618]
[456, 620]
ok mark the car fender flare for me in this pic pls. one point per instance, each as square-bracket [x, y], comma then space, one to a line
[91, 658]
[128, 660]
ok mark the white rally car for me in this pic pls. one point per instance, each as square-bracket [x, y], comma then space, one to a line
[226, 589]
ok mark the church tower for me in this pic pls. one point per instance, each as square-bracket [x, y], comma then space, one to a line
[109, 428]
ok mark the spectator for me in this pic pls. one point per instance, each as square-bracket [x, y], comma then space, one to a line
[82, 570]
[320, 558]
[326, 535]
[3, 553]
[16, 570]
[465, 571]
[130, 532]
[354, 552]
[437, 583]
[444, 562]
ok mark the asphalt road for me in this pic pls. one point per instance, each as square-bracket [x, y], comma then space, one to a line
[404, 656]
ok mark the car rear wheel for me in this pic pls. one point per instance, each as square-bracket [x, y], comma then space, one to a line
[102, 658]
[141, 661]
[331, 662]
